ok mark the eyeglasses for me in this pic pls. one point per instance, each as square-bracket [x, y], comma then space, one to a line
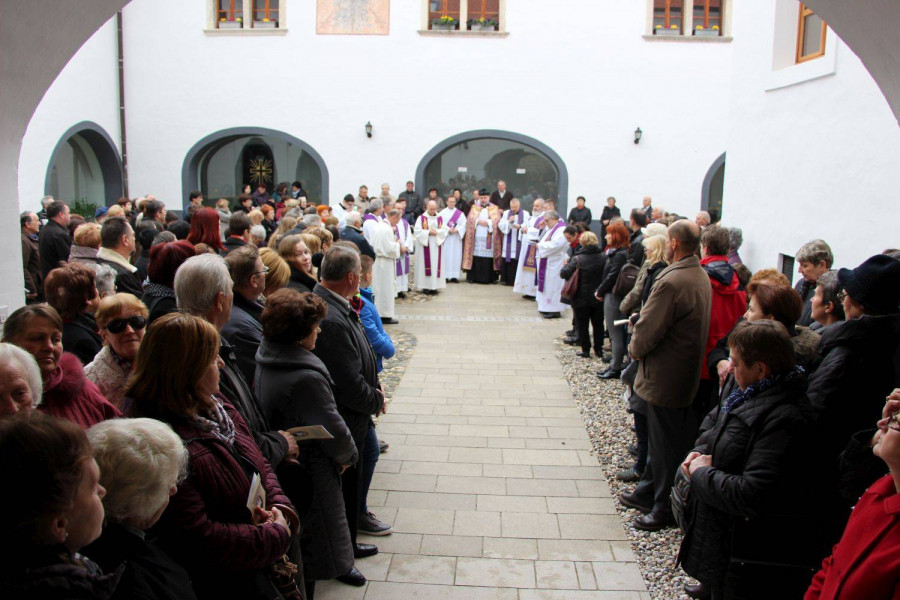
[137, 323]
[841, 295]
[263, 272]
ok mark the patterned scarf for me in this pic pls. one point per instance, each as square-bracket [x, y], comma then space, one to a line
[356, 304]
[220, 424]
[739, 396]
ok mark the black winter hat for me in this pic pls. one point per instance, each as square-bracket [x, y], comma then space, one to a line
[875, 284]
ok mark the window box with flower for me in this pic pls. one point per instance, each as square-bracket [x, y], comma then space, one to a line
[445, 23]
[700, 31]
[235, 24]
[672, 30]
[265, 24]
[482, 24]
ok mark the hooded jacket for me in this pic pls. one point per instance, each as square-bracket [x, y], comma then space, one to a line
[371, 320]
[729, 302]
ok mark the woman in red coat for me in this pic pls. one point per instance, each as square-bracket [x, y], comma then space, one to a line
[228, 550]
[866, 562]
[68, 394]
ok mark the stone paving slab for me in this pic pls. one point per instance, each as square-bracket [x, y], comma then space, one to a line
[489, 481]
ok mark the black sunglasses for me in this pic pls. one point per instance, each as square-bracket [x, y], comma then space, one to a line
[118, 325]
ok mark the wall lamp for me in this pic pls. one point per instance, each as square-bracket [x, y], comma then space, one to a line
[369, 129]
[637, 135]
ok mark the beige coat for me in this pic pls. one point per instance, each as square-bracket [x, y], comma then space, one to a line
[670, 337]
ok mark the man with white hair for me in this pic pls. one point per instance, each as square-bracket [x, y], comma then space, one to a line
[387, 251]
[453, 245]
[353, 233]
[386, 196]
[510, 226]
[648, 208]
[657, 214]
[373, 215]
[430, 233]
[551, 254]
[203, 287]
[526, 269]
[703, 219]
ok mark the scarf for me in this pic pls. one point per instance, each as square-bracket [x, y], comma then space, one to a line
[220, 424]
[356, 304]
[739, 396]
[157, 290]
[427, 250]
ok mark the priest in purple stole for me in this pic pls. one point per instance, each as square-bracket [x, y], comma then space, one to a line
[430, 232]
[456, 232]
[403, 234]
[526, 272]
[511, 225]
[551, 253]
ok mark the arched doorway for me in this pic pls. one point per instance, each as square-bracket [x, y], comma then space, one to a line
[221, 164]
[712, 190]
[481, 158]
[85, 167]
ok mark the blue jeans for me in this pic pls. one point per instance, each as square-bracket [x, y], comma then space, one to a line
[369, 456]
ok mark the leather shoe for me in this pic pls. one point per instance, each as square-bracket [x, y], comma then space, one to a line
[653, 522]
[583, 354]
[610, 374]
[364, 550]
[631, 502]
[629, 475]
[697, 590]
[570, 333]
[388, 321]
[607, 358]
[353, 577]
[572, 341]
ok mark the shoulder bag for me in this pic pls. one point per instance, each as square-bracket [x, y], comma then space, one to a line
[570, 287]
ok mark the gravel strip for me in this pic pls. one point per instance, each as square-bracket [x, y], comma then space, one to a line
[609, 427]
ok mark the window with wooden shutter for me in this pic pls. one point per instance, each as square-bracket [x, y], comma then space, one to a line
[668, 15]
[442, 8]
[708, 15]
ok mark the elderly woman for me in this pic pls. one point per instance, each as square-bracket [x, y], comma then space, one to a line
[826, 307]
[224, 211]
[122, 320]
[279, 272]
[20, 381]
[863, 564]
[86, 243]
[813, 259]
[749, 523]
[617, 243]
[294, 250]
[736, 238]
[55, 512]
[589, 261]
[71, 290]
[159, 295]
[68, 394]
[294, 388]
[205, 229]
[141, 463]
[104, 279]
[228, 550]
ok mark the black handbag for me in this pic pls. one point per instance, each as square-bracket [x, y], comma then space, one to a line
[678, 497]
[570, 287]
[626, 279]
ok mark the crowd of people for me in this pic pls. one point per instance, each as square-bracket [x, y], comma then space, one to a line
[190, 403]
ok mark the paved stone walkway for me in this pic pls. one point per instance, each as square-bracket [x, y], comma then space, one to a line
[489, 482]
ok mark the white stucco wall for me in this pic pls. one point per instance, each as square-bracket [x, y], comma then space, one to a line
[86, 90]
[581, 86]
[817, 159]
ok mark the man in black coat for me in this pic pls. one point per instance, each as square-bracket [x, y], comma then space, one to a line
[636, 250]
[31, 257]
[414, 204]
[244, 328]
[501, 196]
[54, 242]
[238, 232]
[116, 247]
[343, 347]
[193, 282]
[353, 233]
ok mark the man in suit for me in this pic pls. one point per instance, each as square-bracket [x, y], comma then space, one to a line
[55, 241]
[353, 233]
[501, 197]
[343, 347]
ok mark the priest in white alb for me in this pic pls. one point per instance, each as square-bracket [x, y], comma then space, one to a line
[510, 225]
[526, 269]
[453, 245]
[403, 234]
[430, 233]
[373, 215]
[387, 251]
[552, 254]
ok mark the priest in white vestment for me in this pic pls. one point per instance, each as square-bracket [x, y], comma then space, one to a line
[552, 252]
[373, 216]
[510, 225]
[387, 251]
[526, 269]
[453, 245]
[430, 233]
[403, 233]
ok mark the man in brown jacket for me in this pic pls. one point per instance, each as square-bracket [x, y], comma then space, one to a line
[670, 341]
[31, 257]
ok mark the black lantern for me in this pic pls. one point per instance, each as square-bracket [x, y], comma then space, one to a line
[637, 135]
[369, 129]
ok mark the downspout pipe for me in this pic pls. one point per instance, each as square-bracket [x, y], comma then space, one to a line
[124, 137]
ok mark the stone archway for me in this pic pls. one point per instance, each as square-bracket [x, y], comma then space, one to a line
[507, 158]
[711, 191]
[107, 155]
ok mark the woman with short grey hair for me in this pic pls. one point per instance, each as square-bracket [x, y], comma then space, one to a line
[141, 463]
[21, 386]
[736, 237]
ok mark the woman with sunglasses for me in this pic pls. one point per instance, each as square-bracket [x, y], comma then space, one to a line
[864, 563]
[68, 394]
[122, 319]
